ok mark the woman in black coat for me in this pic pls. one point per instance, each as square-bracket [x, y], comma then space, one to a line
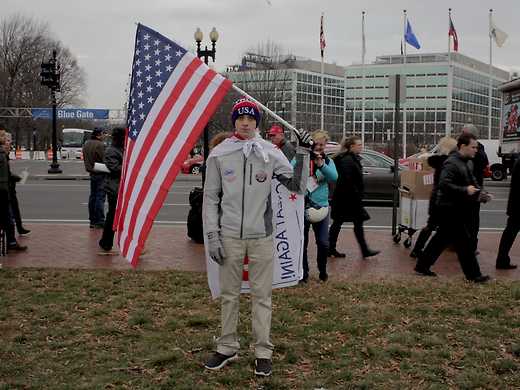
[446, 146]
[346, 205]
[114, 162]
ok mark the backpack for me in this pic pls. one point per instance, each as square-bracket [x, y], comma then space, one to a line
[195, 216]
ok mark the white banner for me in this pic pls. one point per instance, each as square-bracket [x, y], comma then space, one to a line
[288, 218]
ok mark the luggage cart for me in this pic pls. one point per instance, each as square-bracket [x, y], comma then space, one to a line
[413, 215]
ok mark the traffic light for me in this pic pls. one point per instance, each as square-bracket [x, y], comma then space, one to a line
[50, 75]
[47, 74]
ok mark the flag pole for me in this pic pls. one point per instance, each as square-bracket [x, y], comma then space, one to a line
[450, 90]
[404, 73]
[363, 78]
[344, 104]
[490, 92]
[322, 83]
[267, 110]
[449, 36]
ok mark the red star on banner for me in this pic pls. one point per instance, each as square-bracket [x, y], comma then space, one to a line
[293, 197]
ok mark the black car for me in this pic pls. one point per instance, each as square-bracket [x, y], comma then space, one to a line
[378, 172]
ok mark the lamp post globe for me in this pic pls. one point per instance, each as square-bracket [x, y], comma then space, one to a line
[213, 35]
[198, 35]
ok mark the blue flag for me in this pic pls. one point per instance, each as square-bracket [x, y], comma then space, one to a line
[410, 37]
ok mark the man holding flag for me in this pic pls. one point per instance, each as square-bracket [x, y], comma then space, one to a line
[237, 215]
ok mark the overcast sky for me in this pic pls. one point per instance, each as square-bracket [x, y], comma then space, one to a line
[101, 33]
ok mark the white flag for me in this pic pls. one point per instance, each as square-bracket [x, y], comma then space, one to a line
[498, 35]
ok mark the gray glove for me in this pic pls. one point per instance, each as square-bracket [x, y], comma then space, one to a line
[215, 248]
[304, 139]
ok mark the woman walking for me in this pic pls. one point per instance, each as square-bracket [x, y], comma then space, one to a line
[348, 196]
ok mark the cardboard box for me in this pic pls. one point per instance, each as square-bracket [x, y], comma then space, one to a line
[419, 163]
[419, 183]
[414, 212]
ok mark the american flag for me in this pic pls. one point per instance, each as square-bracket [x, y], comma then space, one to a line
[453, 33]
[172, 96]
[322, 37]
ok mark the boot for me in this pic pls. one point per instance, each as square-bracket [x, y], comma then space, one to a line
[370, 253]
[334, 253]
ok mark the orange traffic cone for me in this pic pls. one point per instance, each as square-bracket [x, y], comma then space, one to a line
[18, 153]
[49, 154]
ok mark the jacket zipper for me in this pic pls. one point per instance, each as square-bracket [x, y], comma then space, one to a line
[250, 174]
[243, 197]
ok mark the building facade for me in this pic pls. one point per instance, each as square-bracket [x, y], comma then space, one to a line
[291, 87]
[443, 92]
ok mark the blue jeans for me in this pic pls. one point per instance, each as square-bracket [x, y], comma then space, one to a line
[321, 233]
[96, 200]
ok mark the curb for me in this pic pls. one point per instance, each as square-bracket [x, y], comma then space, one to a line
[503, 183]
[60, 176]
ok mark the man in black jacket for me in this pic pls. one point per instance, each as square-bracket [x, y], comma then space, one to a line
[513, 221]
[114, 163]
[456, 197]
[93, 152]
[478, 165]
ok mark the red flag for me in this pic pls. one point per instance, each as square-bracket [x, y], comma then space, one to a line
[322, 37]
[453, 33]
[172, 96]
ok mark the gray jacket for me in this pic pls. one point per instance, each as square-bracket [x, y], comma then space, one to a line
[237, 192]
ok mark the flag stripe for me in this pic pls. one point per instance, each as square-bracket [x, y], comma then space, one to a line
[143, 167]
[145, 219]
[160, 150]
[153, 125]
[172, 96]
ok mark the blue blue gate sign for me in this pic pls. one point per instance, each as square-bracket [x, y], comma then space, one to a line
[69, 113]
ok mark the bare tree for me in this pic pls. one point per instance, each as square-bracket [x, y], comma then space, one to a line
[24, 43]
[264, 75]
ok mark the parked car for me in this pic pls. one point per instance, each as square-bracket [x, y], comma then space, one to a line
[193, 164]
[378, 171]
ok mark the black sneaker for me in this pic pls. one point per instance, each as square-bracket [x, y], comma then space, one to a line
[370, 253]
[24, 232]
[481, 279]
[335, 253]
[218, 360]
[16, 247]
[263, 367]
[424, 272]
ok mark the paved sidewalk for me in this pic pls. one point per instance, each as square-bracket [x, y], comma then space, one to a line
[75, 246]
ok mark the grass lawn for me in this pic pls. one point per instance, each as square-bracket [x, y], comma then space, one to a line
[77, 329]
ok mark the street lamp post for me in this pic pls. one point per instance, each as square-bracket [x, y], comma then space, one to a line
[206, 54]
[50, 77]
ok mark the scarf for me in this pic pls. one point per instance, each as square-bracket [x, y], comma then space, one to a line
[263, 149]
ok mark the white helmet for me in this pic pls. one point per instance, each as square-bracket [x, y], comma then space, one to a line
[314, 215]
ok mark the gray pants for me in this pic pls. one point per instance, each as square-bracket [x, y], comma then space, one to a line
[260, 269]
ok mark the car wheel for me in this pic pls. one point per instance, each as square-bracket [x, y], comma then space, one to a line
[498, 174]
[195, 170]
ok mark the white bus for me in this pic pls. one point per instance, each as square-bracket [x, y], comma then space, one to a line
[73, 140]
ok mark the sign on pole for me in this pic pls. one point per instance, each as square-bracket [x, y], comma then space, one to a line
[70, 113]
[392, 86]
